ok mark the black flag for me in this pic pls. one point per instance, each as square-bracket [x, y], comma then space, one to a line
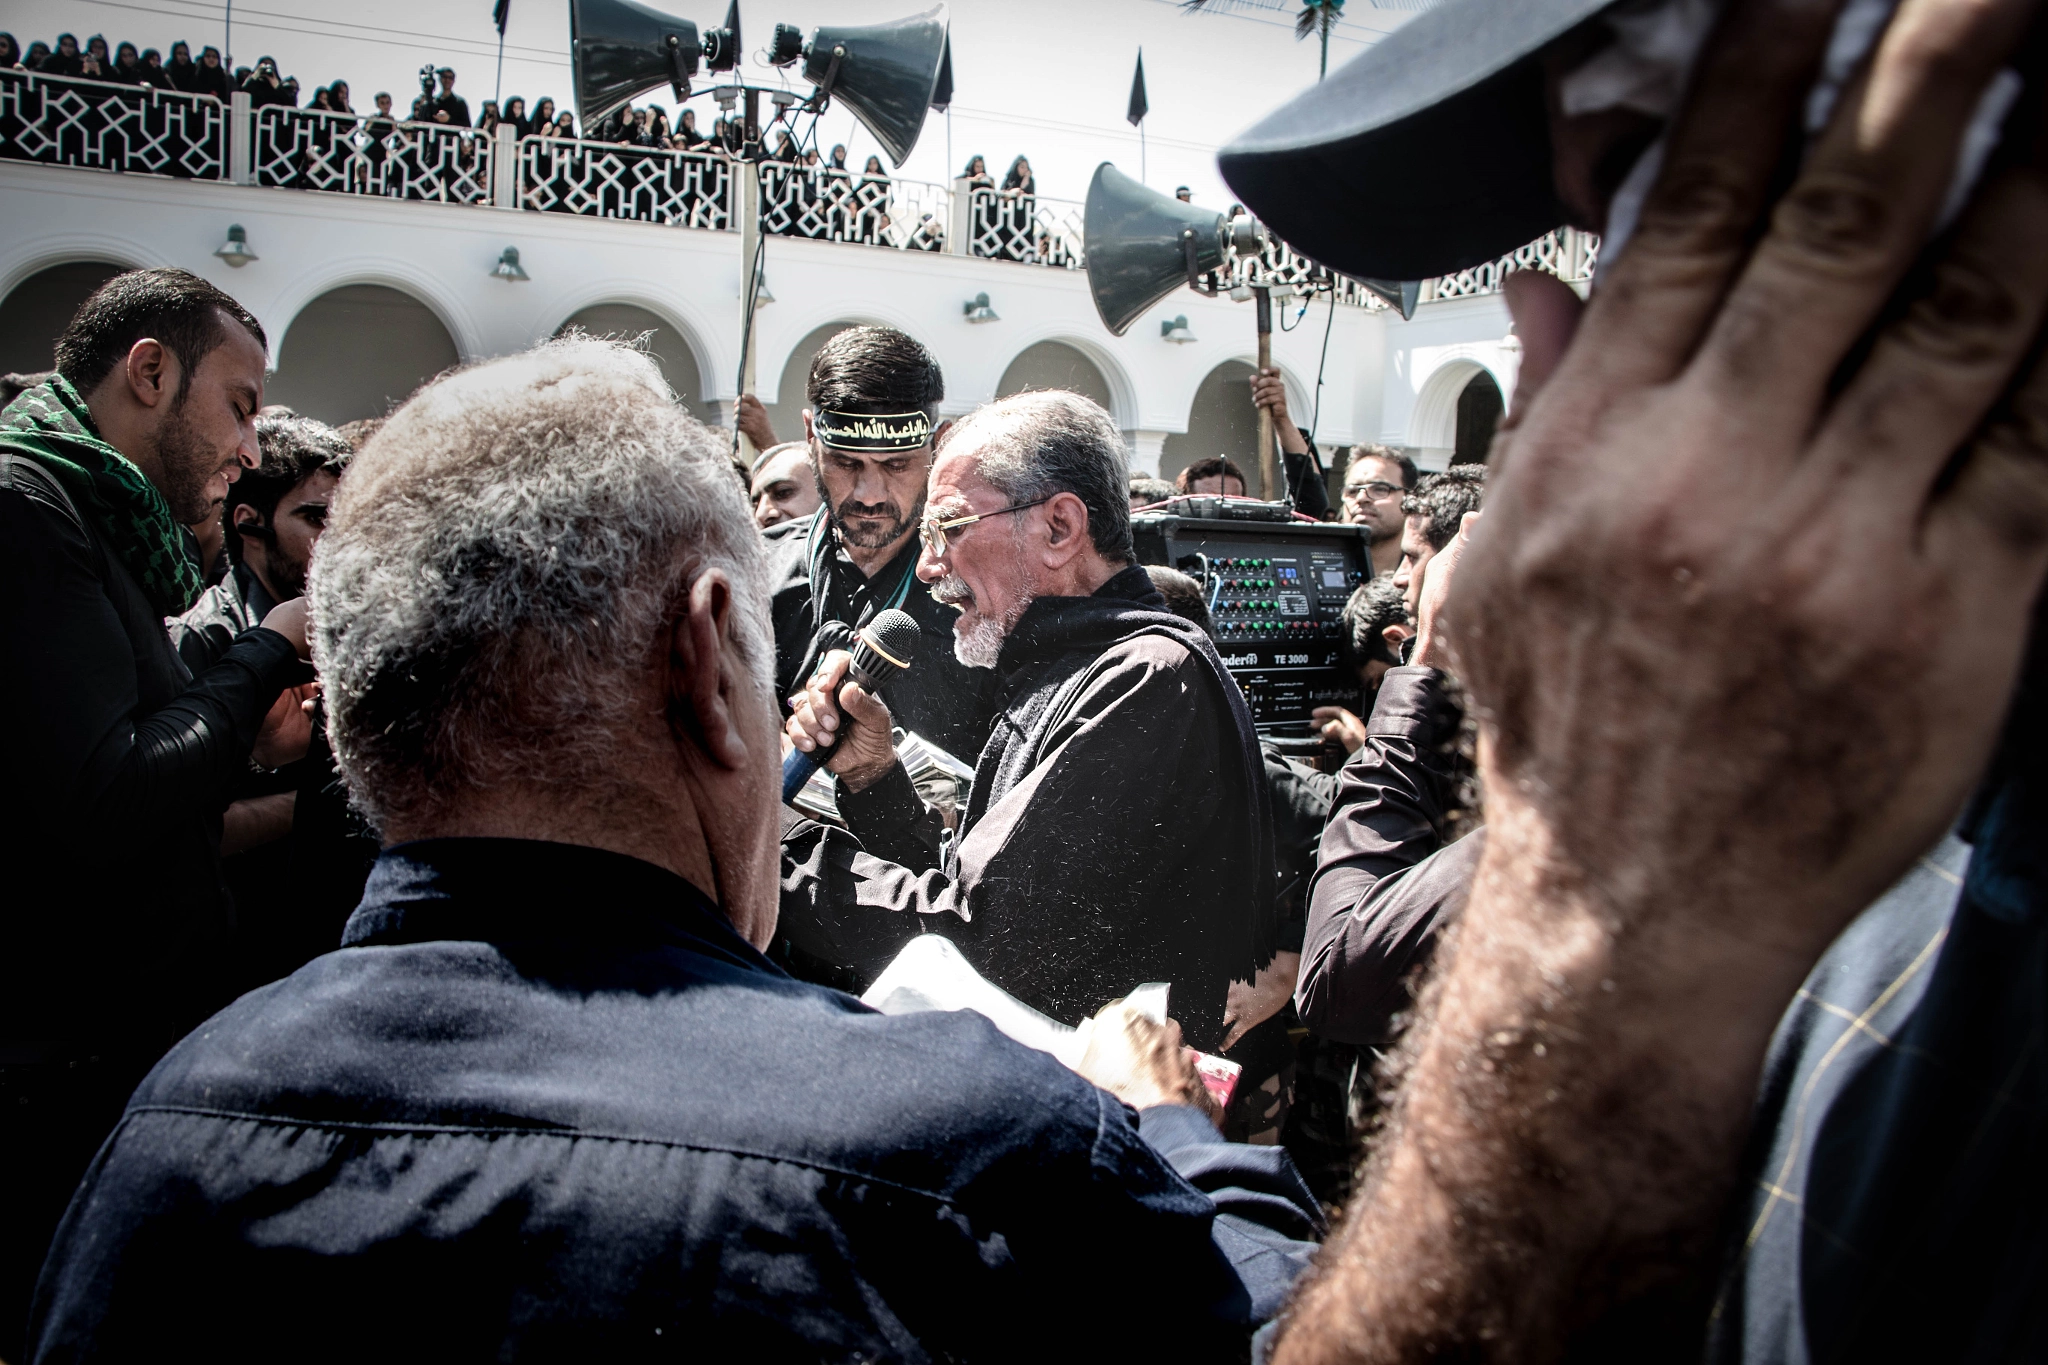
[942, 92]
[1139, 108]
[501, 14]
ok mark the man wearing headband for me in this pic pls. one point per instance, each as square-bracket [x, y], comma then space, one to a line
[1747, 628]
[874, 400]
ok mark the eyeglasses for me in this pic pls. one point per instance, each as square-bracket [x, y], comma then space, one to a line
[932, 530]
[1376, 492]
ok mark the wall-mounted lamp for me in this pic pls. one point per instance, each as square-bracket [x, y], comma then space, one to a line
[977, 310]
[235, 250]
[508, 267]
[1177, 330]
[1240, 293]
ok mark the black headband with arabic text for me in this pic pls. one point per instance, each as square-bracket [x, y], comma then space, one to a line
[878, 432]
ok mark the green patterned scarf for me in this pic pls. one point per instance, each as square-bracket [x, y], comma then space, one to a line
[50, 425]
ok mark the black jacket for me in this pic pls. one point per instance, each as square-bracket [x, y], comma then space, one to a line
[1119, 830]
[939, 698]
[116, 776]
[1388, 872]
[547, 1104]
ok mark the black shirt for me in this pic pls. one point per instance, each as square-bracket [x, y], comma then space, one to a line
[546, 1103]
[938, 697]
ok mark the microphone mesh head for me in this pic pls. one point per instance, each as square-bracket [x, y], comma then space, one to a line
[895, 633]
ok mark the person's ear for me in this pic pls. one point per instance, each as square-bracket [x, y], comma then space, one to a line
[246, 516]
[701, 696]
[1394, 634]
[939, 435]
[151, 371]
[1066, 528]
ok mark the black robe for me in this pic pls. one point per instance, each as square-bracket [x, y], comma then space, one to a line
[1119, 830]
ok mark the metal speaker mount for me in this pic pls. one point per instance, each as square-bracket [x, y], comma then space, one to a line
[1142, 245]
[619, 49]
[884, 73]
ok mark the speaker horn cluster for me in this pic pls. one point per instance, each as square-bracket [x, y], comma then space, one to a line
[885, 73]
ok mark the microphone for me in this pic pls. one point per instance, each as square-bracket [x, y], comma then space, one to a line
[883, 648]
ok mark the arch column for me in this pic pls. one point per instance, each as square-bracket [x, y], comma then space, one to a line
[1145, 448]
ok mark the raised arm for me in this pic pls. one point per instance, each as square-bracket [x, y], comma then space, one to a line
[1741, 633]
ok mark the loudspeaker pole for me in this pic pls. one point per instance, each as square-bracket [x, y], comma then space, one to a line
[1269, 472]
[750, 248]
[749, 168]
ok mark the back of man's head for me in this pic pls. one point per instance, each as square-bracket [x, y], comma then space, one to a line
[1147, 489]
[875, 370]
[498, 568]
[1183, 596]
[291, 448]
[1048, 441]
[1210, 468]
[1373, 606]
[189, 316]
[1444, 498]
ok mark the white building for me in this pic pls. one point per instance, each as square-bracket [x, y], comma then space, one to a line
[377, 262]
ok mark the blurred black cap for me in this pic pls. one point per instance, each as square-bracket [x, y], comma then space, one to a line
[1427, 153]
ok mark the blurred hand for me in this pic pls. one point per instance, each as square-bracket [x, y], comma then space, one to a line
[1436, 589]
[1141, 1062]
[832, 713]
[287, 729]
[752, 420]
[289, 620]
[1251, 1003]
[1334, 722]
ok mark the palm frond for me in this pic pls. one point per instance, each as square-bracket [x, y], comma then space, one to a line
[1235, 6]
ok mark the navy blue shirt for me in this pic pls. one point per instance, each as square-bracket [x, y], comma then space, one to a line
[545, 1101]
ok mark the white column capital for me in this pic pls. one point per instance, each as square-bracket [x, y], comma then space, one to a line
[1146, 448]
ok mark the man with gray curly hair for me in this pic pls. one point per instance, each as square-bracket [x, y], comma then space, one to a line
[549, 1099]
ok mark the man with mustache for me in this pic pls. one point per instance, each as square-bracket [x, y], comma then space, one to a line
[871, 424]
[1119, 830]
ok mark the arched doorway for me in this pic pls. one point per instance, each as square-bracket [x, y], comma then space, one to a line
[36, 312]
[1479, 411]
[1055, 365]
[358, 351]
[1221, 421]
[629, 322]
[786, 414]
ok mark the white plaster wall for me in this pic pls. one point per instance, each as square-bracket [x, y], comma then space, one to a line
[308, 243]
[1428, 359]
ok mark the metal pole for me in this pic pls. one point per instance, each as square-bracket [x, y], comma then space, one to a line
[498, 90]
[750, 246]
[227, 43]
[1269, 469]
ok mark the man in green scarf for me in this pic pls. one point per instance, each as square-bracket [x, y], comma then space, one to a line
[120, 759]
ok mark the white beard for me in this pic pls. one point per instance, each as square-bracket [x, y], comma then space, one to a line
[982, 643]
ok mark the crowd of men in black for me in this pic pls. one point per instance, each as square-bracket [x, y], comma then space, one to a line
[254, 826]
[479, 992]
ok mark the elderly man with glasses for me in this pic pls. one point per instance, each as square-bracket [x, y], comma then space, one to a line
[1118, 831]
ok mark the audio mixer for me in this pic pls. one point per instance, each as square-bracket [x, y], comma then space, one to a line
[1275, 591]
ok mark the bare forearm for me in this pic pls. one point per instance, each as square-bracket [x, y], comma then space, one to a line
[1576, 1093]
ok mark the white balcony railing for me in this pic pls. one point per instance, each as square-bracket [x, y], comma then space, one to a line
[601, 180]
[107, 127]
[309, 149]
[102, 126]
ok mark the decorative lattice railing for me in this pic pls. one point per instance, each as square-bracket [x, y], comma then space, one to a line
[600, 180]
[106, 127]
[103, 126]
[308, 149]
